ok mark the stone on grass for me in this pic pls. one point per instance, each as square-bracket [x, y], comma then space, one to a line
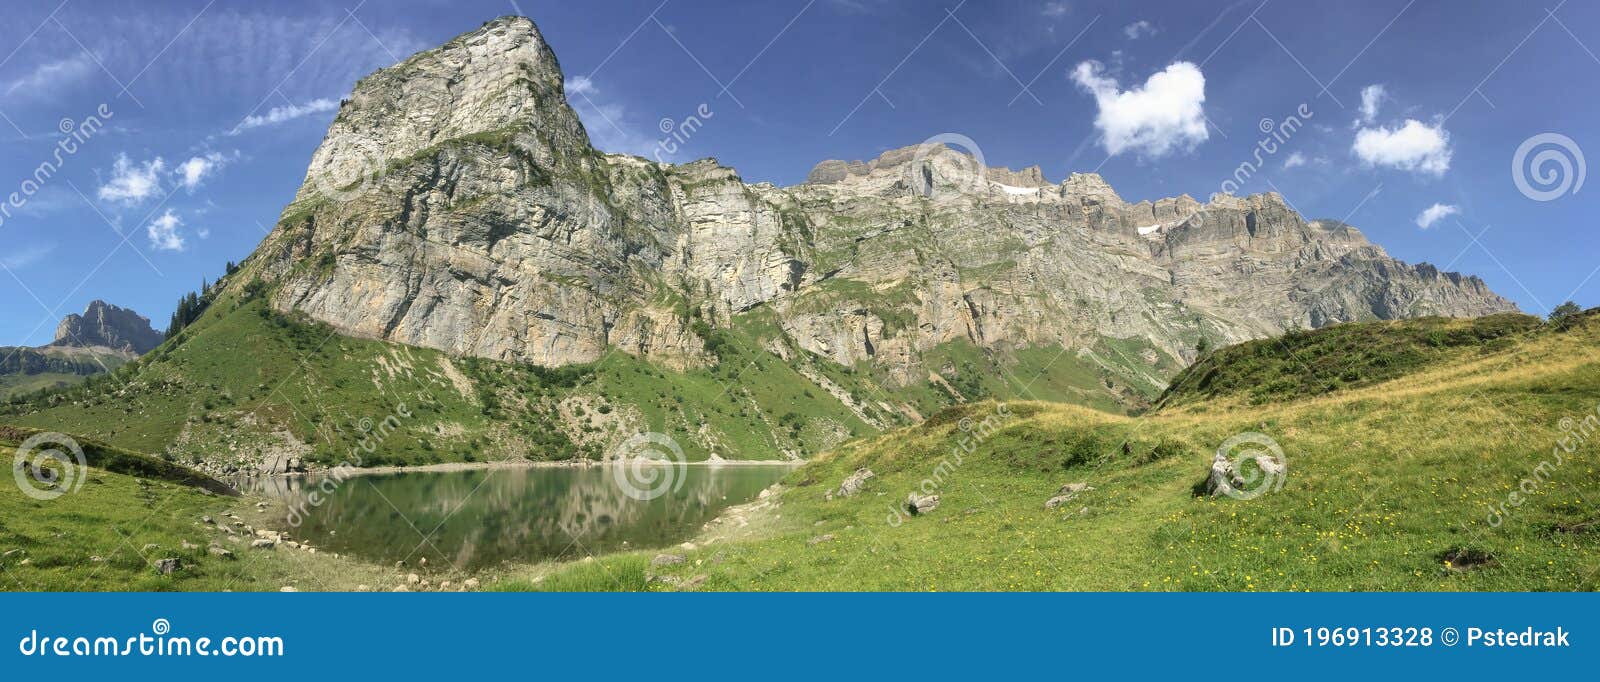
[168, 566]
[852, 484]
[921, 504]
[1066, 493]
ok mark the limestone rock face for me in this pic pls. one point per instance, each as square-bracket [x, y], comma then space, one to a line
[103, 325]
[457, 204]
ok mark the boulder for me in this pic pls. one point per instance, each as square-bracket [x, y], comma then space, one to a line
[827, 537]
[263, 544]
[168, 566]
[667, 560]
[219, 552]
[852, 484]
[1225, 479]
[921, 504]
[1066, 493]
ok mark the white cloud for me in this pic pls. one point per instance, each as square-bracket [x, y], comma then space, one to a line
[1056, 10]
[285, 113]
[1295, 160]
[1372, 97]
[1414, 146]
[132, 183]
[1163, 115]
[1138, 29]
[1434, 214]
[194, 171]
[49, 77]
[16, 259]
[607, 122]
[163, 232]
[580, 85]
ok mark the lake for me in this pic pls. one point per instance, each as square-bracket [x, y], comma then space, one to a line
[479, 518]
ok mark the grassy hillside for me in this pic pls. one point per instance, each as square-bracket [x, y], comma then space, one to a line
[117, 460]
[1340, 357]
[242, 384]
[1399, 483]
[1399, 479]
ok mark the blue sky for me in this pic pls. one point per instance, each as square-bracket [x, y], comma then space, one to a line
[200, 118]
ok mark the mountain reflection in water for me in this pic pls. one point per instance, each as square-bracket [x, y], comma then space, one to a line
[483, 517]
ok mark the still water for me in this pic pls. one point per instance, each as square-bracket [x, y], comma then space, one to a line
[484, 517]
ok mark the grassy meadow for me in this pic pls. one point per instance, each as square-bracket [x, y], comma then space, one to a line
[1422, 455]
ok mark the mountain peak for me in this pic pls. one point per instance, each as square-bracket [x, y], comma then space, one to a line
[833, 171]
[498, 79]
[108, 326]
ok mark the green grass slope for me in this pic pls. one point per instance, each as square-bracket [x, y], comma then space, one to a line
[1342, 356]
[242, 383]
[1485, 450]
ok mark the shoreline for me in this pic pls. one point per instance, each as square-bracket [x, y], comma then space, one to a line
[448, 467]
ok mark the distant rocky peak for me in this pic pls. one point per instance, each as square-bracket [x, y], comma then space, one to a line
[107, 326]
[957, 166]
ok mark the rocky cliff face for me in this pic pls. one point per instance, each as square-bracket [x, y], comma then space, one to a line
[106, 326]
[457, 204]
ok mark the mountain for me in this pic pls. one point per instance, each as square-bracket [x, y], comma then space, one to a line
[457, 204]
[101, 339]
[103, 325]
[456, 228]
